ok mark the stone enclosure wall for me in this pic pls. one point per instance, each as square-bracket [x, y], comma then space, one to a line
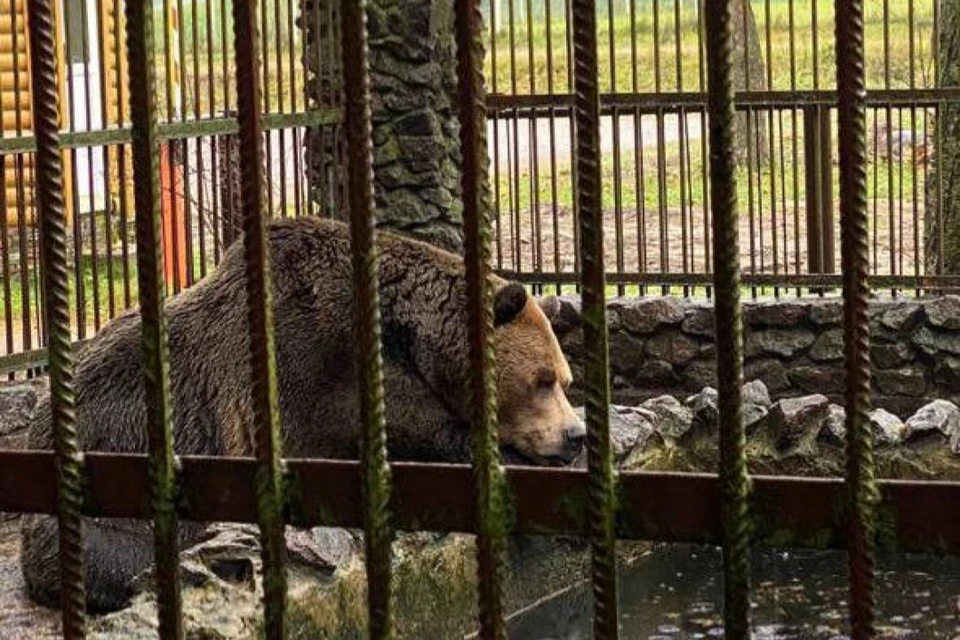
[666, 346]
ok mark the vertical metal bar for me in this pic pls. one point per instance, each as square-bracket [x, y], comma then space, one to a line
[602, 484]
[270, 503]
[726, 265]
[851, 89]
[376, 472]
[51, 212]
[156, 370]
[491, 525]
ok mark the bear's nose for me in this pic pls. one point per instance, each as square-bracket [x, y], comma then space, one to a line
[573, 438]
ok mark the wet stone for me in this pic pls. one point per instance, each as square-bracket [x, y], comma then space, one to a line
[887, 428]
[944, 312]
[828, 346]
[939, 416]
[645, 315]
[672, 417]
[888, 356]
[935, 342]
[902, 316]
[905, 381]
[826, 312]
[771, 372]
[818, 379]
[834, 431]
[700, 321]
[785, 343]
[625, 352]
[657, 374]
[775, 314]
[755, 392]
[699, 374]
[946, 373]
[794, 420]
[673, 347]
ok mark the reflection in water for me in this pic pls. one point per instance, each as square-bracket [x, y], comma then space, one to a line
[676, 594]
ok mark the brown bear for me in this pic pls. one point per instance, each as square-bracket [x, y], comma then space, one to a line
[426, 372]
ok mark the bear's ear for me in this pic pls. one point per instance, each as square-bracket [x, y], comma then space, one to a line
[508, 303]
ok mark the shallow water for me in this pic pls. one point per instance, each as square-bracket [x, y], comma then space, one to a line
[676, 595]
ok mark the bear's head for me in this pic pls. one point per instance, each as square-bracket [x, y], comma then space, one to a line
[536, 419]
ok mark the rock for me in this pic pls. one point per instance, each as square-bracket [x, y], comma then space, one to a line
[706, 417]
[645, 315]
[672, 417]
[699, 374]
[818, 379]
[17, 403]
[900, 316]
[826, 312]
[944, 312]
[936, 342]
[321, 548]
[828, 346]
[785, 343]
[834, 430]
[771, 372]
[887, 428]
[753, 416]
[939, 419]
[888, 356]
[905, 381]
[567, 316]
[775, 314]
[630, 427]
[700, 321]
[946, 373]
[626, 352]
[656, 374]
[673, 347]
[755, 392]
[708, 397]
[794, 421]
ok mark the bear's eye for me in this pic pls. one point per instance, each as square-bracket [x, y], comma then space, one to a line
[546, 379]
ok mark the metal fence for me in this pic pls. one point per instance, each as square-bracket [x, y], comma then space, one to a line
[656, 195]
[595, 502]
[654, 147]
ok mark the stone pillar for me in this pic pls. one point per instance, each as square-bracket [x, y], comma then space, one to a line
[415, 128]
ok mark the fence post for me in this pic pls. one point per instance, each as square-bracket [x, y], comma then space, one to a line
[821, 241]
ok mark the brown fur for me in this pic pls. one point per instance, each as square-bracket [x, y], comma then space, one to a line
[426, 367]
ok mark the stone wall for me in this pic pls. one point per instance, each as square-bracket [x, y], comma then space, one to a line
[666, 346]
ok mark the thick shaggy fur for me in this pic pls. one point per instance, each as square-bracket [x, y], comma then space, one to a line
[423, 306]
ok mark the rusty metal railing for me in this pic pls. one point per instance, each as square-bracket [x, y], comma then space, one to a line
[484, 499]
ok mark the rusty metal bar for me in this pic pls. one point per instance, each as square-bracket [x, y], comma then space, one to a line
[855, 255]
[45, 97]
[669, 507]
[734, 484]
[156, 371]
[488, 492]
[269, 480]
[589, 208]
[376, 471]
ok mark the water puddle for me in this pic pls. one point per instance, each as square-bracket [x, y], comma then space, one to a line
[676, 595]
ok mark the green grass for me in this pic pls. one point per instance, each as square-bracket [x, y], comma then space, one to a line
[526, 60]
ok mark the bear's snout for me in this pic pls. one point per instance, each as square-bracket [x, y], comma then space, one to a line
[573, 439]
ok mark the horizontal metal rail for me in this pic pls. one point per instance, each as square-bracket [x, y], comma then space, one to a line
[175, 130]
[697, 100]
[667, 507]
[940, 283]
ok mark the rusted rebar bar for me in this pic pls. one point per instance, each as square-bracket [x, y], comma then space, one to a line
[49, 176]
[488, 474]
[376, 472]
[156, 368]
[266, 414]
[729, 322]
[863, 496]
